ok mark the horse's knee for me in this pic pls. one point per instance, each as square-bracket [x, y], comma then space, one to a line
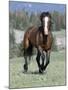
[38, 57]
[43, 56]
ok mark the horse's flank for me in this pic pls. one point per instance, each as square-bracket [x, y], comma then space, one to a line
[28, 36]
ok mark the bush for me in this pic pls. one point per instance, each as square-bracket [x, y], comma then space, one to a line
[16, 51]
[54, 46]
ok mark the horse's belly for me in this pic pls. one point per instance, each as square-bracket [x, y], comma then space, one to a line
[45, 47]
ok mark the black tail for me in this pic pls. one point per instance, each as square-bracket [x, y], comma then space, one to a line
[28, 51]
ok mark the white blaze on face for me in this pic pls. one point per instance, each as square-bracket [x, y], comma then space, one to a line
[46, 19]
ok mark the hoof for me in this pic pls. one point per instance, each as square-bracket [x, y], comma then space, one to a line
[25, 68]
[40, 71]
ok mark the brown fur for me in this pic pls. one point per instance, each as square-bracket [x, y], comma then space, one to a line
[36, 37]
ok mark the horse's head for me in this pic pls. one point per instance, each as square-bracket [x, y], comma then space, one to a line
[45, 18]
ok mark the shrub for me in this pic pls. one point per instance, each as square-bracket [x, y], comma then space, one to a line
[54, 46]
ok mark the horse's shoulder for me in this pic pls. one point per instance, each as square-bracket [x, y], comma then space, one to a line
[40, 29]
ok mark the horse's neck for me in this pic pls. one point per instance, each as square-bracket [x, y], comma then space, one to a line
[43, 38]
[41, 29]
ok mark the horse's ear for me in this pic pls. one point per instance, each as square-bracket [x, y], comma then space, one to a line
[42, 15]
[49, 14]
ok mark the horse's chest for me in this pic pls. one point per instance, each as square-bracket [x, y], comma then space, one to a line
[45, 42]
[42, 39]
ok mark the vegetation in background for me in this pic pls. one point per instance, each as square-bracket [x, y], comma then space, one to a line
[21, 20]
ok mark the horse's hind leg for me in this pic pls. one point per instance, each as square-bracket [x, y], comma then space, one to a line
[26, 64]
[27, 60]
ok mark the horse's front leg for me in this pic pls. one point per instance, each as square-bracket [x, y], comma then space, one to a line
[43, 59]
[40, 54]
[47, 59]
[38, 60]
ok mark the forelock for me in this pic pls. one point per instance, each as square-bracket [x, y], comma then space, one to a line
[44, 14]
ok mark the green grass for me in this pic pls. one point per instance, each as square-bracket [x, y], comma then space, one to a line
[53, 76]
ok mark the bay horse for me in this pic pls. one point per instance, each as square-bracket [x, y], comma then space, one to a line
[40, 38]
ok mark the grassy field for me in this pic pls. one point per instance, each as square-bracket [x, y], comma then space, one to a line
[53, 76]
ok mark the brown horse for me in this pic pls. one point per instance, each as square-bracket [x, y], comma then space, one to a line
[41, 38]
